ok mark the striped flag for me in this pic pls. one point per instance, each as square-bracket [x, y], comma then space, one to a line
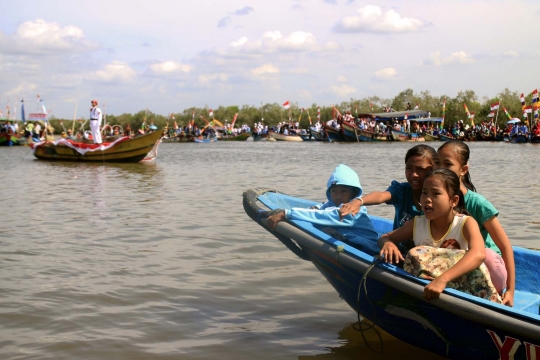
[406, 116]
[491, 114]
[416, 107]
[536, 113]
[527, 110]
[193, 118]
[495, 106]
[471, 116]
[286, 104]
[522, 99]
[318, 113]
[467, 110]
[211, 113]
[535, 96]
[507, 114]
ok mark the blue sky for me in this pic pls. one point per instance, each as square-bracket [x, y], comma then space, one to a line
[170, 55]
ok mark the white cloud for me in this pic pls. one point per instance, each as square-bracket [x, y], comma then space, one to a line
[459, 57]
[511, 53]
[265, 69]
[372, 19]
[116, 71]
[169, 67]
[343, 90]
[386, 73]
[41, 37]
[275, 42]
[341, 78]
[209, 79]
[298, 71]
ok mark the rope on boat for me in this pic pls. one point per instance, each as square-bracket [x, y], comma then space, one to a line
[359, 326]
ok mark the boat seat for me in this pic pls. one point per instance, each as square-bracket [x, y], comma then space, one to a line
[526, 301]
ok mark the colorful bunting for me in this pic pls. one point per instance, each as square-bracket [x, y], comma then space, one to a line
[507, 114]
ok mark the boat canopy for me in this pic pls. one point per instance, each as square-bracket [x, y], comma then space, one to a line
[400, 115]
[431, 119]
[513, 121]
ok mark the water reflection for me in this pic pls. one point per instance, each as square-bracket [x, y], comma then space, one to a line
[354, 347]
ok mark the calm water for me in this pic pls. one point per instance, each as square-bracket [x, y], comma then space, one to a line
[159, 261]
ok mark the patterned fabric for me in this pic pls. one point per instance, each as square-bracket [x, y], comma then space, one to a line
[428, 262]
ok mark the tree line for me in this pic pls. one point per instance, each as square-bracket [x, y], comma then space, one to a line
[272, 113]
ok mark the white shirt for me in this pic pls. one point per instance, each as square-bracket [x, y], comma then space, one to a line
[95, 113]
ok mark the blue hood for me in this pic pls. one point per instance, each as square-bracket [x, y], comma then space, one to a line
[343, 175]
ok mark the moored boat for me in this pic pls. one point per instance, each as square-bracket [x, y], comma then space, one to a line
[457, 325]
[431, 137]
[283, 137]
[8, 139]
[123, 149]
[240, 137]
[399, 135]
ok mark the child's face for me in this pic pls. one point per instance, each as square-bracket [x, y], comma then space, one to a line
[435, 200]
[416, 169]
[340, 194]
[448, 159]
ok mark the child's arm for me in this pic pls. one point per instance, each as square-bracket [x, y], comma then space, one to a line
[374, 198]
[472, 259]
[497, 233]
[274, 219]
[387, 242]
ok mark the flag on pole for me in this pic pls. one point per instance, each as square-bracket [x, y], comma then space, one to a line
[443, 111]
[286, 104]
[416, 107]
[522, 99]
[527, 110]
[535, 96]
[318, 113]
[495, 106]
[406, 116]
[193, 118]
[507, 114]
[536, 113]
[472, 118]
[22, 112]
[467, 110]
[211, 113]
[491, 114]
[371, 105]
[234, 120]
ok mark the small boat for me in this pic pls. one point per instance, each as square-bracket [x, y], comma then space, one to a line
[240, 137]
[123, 149]
[431, 137]
[517, 139]
[282, 137]
[399, 135]
[457, 325]
[333, 134]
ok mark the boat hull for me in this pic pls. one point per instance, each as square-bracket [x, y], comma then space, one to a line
[240, 137]
[132, 150]
[281, 137]
[457, 325]
[407, 137]
[429, 137]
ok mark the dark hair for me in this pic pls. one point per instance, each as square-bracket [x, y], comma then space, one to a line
[421, 150]
[452, 185]
[462, 151]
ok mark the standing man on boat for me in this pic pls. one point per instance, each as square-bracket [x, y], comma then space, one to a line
[95, 122]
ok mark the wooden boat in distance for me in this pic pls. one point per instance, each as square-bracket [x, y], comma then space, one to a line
[123, 149]
[405, 136]
[240, 137]
[431, 137]
[282, 137]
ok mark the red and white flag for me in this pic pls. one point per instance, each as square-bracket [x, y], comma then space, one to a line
[535, 96]
[416, 107]
[406, 116]
[318, 113]
[286, 104]
[527, 110]
[522, 99]
[211, 113]
[491, 114]
[495, 106]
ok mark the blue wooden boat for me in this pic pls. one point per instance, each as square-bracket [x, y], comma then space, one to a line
[516, 139]
[457, 325]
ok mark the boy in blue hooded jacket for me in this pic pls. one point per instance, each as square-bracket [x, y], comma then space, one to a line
[342, 186]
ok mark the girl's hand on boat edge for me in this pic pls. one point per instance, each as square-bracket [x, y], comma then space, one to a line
[274, 219]
[508, 298]
[390, 253]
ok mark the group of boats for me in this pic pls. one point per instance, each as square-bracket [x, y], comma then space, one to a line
[457, 325]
